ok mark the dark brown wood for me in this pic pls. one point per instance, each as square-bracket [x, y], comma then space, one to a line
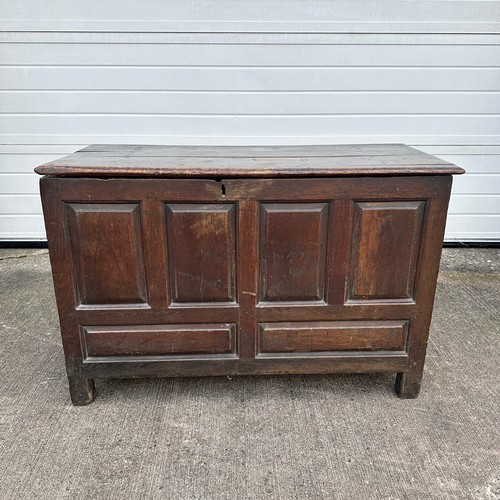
[202, 250]
[247, 278]
[81, 387]
[158, 339]
[249, 273]
[227, 364]
[226, 190]
[106, 245]
[317, 336]
[385, 244]
[155, 256]
[293, 251]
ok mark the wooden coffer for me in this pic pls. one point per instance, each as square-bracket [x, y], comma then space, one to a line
[177, 261]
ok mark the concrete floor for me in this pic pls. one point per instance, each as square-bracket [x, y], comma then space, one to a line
[294, 437]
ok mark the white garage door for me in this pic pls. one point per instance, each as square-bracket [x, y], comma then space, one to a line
[426, 73]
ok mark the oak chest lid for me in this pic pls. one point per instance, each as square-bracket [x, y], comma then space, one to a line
[247, 161]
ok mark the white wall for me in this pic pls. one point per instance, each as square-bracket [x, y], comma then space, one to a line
[426, 73]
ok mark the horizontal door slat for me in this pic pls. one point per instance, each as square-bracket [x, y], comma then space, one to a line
[220, 78]
[248, 103]
[255, 126]
[124, 54]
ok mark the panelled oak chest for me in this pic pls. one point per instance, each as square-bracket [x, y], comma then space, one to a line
[181, 261]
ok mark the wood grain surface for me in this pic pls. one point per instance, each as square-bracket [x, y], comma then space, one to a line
[250, 161]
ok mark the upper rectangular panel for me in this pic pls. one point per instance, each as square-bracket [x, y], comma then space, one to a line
[248, 161]
[107, 251]
[385, 244]
[201, 252]
[293, 241]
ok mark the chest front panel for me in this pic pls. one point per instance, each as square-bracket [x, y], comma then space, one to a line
[246, 269]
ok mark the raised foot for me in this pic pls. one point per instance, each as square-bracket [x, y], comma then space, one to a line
[408, 387]
[81, 390]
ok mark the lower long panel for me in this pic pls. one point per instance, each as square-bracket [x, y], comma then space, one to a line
[321, 336]
[133, 340]
[229, 364]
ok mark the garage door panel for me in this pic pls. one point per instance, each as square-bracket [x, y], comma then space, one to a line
[316, 125]
[241, 78]
[488, 184]
[196, 54]
[473, 227]
[248, 103]
[19, 183]
[474, 204]
[22, 227]
[20, 204]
